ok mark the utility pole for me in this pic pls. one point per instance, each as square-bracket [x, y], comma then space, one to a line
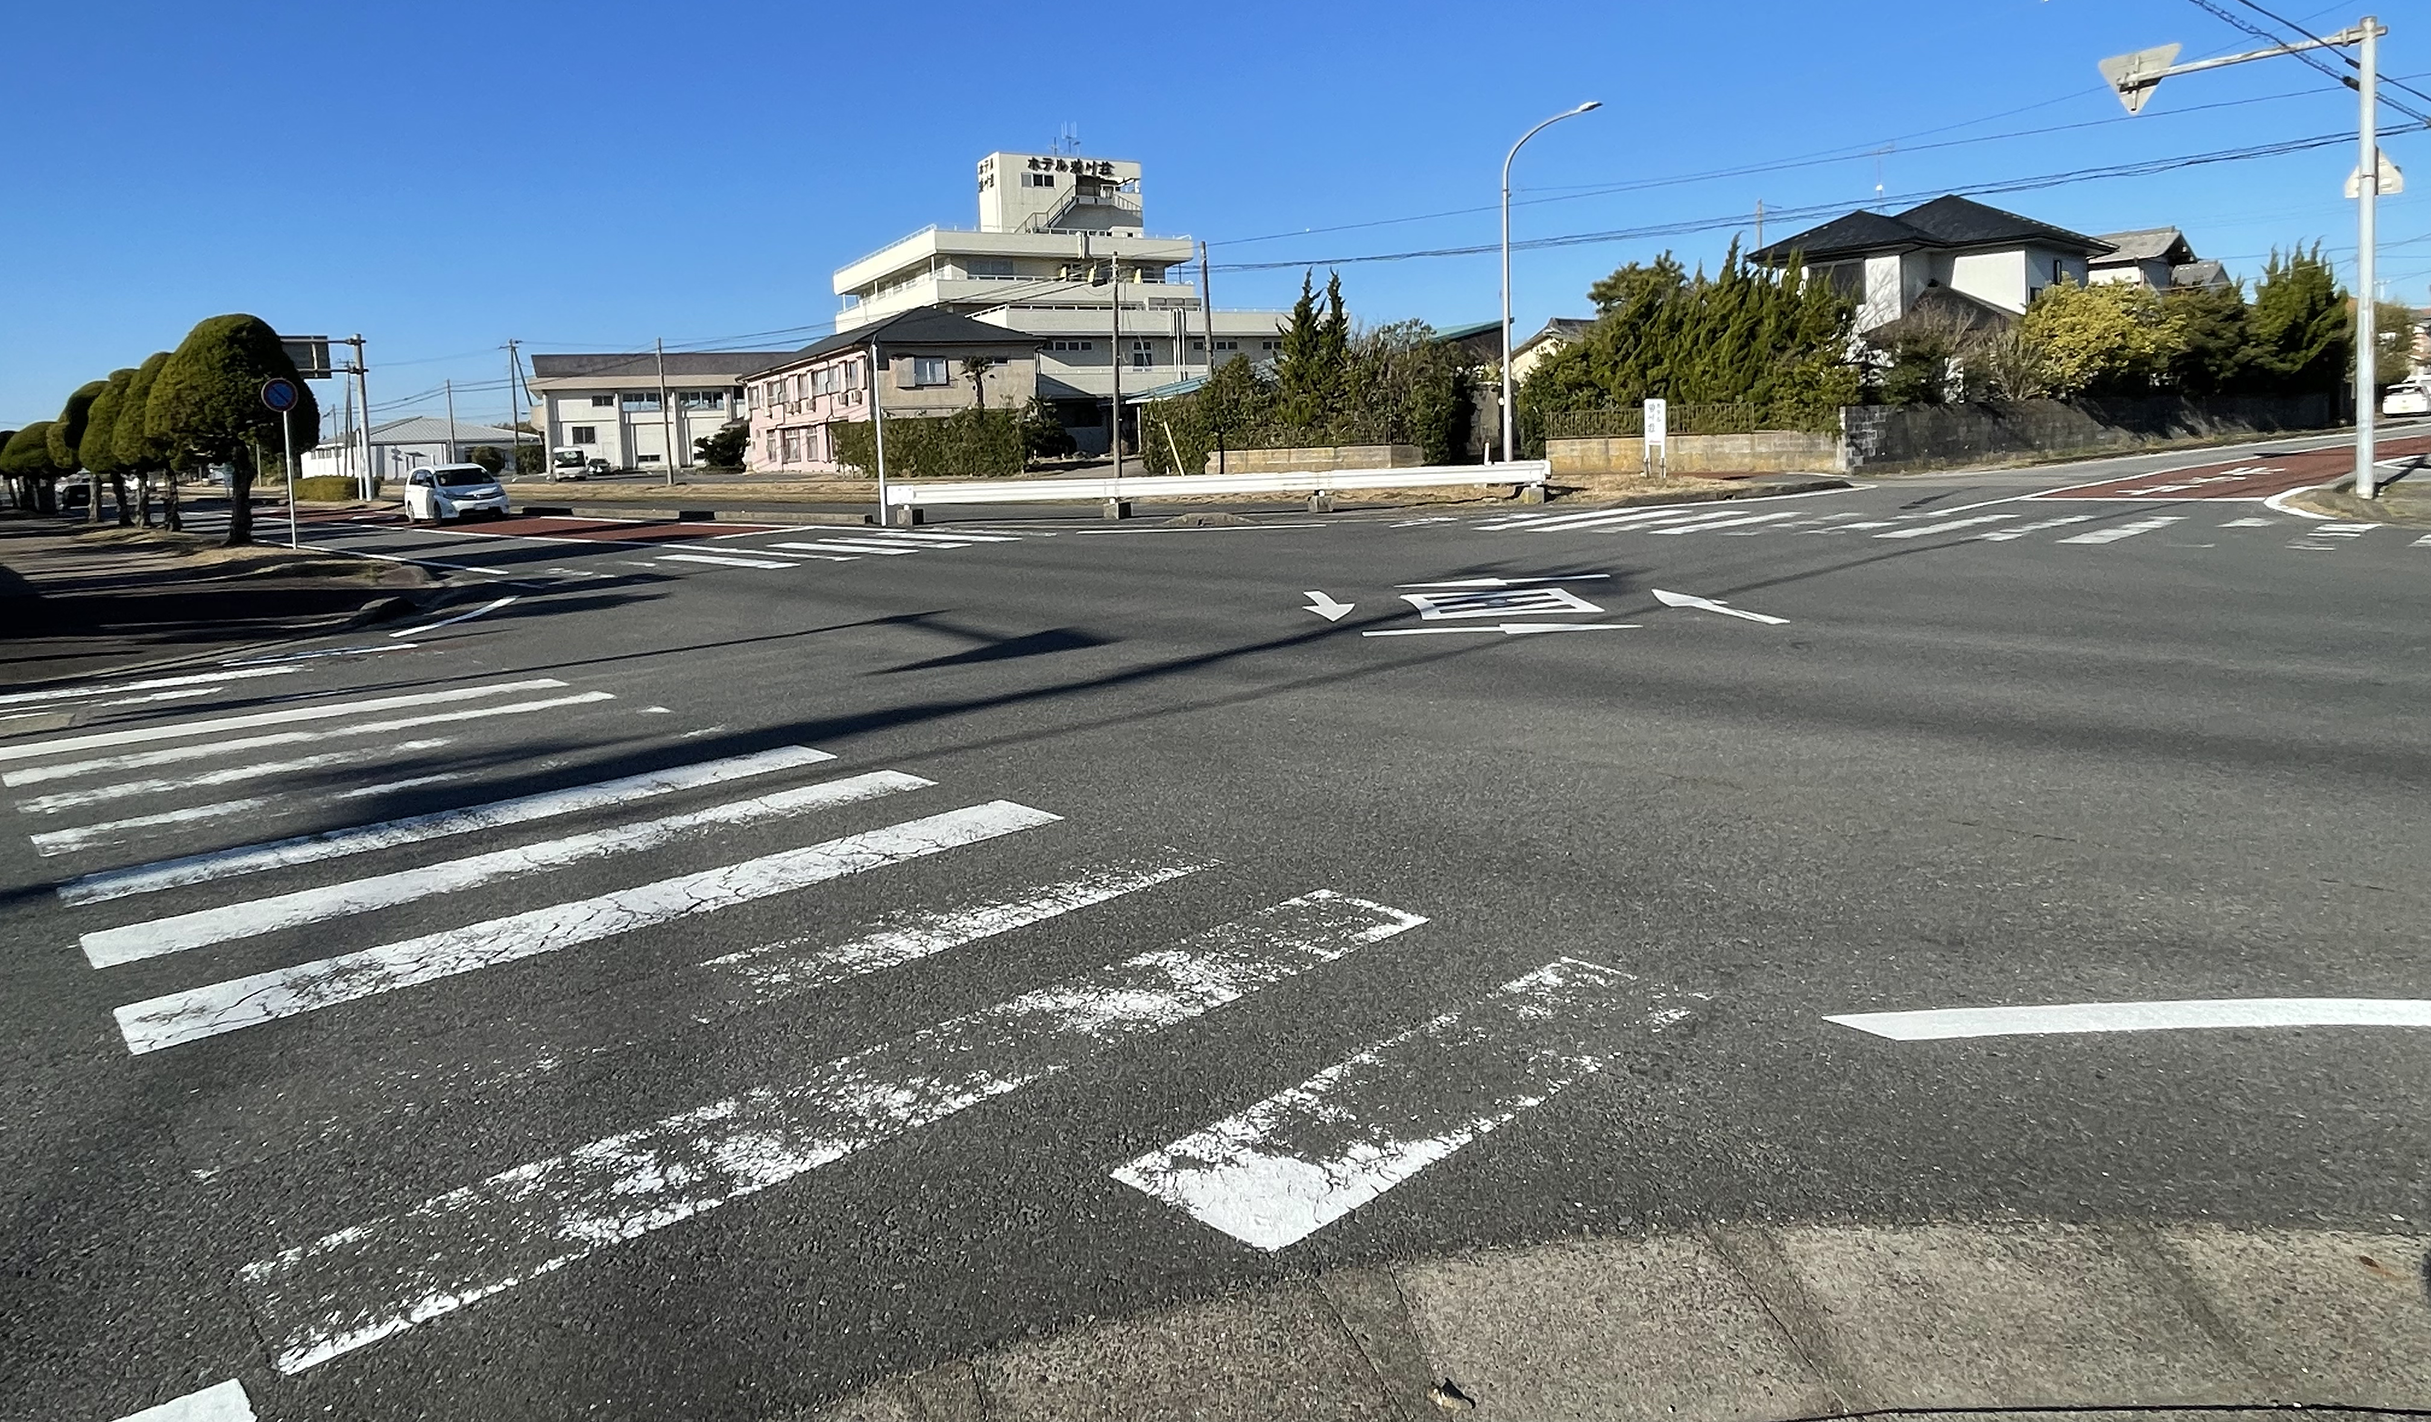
[2367, 305]
[363, 403]
[666, 422]
[514, 413]
[1114, 269]
[2135, 76]
[1207, 320]
[450, 387]
[877, 428]
[1759, 223]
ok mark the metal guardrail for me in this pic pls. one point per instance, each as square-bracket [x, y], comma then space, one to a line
[916, 494]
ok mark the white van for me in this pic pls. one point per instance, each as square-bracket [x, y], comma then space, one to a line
[436, 493]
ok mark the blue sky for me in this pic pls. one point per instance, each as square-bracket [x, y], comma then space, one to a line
[442, 176]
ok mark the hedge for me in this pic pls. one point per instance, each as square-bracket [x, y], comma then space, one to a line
[965, 444]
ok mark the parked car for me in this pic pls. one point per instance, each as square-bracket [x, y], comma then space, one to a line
[569, 462]
[2408, 399]
[435, 494]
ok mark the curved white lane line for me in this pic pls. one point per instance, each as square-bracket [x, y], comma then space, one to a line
[2275, 506]
[1939, 1023]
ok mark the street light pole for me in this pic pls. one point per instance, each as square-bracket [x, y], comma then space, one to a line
[1506, 262]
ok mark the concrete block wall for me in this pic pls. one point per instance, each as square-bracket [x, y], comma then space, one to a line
[1888, 438]
[1336, 456]
[1764, 452]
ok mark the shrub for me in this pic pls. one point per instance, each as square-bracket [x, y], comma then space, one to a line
[965, 444]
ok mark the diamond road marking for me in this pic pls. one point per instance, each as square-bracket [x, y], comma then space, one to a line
[1497, 602]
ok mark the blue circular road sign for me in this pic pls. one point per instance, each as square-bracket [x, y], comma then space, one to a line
[279, 393]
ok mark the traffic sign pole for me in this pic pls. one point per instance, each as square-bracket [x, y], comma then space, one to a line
[287, 437]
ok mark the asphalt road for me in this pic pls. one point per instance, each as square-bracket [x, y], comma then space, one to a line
[1151, 935]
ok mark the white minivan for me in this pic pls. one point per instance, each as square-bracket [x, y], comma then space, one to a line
[436, 493]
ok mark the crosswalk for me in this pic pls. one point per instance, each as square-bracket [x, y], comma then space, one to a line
[798, 547]
[2018, 520]
[238, 929]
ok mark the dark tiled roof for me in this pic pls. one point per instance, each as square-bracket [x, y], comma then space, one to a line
[2204, 273]
[1954, 221]
[1950, 221]
[1859, 231]
[921, 326]
[689, 365]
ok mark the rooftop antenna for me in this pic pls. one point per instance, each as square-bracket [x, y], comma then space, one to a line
[1067, 138]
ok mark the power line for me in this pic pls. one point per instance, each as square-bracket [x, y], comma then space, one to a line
[2311, 57]
[2046, 180]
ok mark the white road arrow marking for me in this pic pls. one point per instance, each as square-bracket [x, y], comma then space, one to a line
[1326, 607]
[1707, 604]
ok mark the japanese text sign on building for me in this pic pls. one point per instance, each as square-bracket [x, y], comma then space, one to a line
[1095, 167]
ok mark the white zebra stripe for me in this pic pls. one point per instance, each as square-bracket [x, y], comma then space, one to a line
[138, 760]
[247, 918]
[1301, 1159]
[187, 730]
[179, 1017]
[414, 829]
[345, 1290]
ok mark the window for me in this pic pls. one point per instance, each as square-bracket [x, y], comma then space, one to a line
[852, 375]
[828, 380]
[989, 268]
[642, 400]
[793, 446]
[1143, 355]
[1270, 345]
[700, 400]
[583, 434]
[1073, 345]
[650, 459]
[1228, 345]
[603, 402]
[926, 370]
[1038, 180]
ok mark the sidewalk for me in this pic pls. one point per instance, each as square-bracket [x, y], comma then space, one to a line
[2404, 497]
[78, 598]
[1750, 1322]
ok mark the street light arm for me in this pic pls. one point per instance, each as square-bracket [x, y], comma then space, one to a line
[1540, 128]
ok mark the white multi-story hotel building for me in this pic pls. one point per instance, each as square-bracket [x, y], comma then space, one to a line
[1061, 239]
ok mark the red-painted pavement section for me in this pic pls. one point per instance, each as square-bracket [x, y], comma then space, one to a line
[2248, 479]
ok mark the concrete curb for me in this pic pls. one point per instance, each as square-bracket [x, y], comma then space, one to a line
[1752, 489]
[1751, 1322]
[692, 515]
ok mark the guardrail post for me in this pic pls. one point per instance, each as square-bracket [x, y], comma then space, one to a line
[1118, 508]
[1531, 493]
[1321, 501]
[907, 516]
